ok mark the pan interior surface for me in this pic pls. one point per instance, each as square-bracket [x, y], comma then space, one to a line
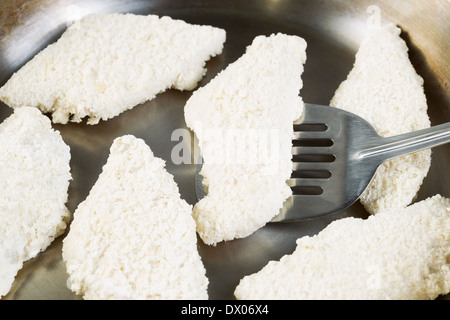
[333, 31]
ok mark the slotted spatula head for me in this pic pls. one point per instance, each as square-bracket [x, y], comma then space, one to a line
[328, 174]
[335, 156]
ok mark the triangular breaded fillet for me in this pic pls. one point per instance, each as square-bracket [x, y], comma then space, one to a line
[134, 237]
[105, 64]
[34, 182]
[244, 121]
[396, 254]
[384, 89]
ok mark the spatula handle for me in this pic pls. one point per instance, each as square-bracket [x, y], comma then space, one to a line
[392, 147]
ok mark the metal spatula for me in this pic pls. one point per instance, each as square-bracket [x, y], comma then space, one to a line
[335, 156]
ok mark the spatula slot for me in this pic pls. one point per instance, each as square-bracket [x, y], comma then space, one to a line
[312, 191]
[311, 174]
[318, 127]
[313, 158]
[313, 143]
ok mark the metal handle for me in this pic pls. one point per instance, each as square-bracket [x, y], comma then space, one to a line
[392, 147]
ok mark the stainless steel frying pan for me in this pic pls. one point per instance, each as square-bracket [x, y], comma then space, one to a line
[333, 30]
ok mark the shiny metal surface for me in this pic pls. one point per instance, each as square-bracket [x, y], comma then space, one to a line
[333, 30]
[351, 160]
